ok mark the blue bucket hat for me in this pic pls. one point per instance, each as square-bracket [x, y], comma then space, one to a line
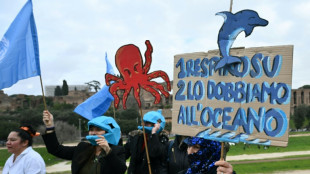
[153, 117]
[113, 131]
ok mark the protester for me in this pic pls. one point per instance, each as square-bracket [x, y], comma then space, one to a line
[100, 155]
[156, 143]
[177, 155]
[204, 156]
[23, 159]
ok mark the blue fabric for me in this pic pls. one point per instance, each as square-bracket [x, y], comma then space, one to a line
[112, 135]
[99, 103]
[203, 160]
[19, 49]
[147, 129]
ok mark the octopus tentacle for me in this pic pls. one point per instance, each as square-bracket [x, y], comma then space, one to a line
[155, 93]
[160, 87]
[136, 93]
[110, 77]
[148, 57]
[125, 95]
[161, 74]
[113, 90]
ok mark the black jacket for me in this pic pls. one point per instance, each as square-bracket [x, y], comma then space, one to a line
[177, 156]
[114, 162]
[157, 153]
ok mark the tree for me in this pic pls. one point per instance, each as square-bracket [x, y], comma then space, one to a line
[129, 114]
[93, 84]
[308, 116]
[305, 87]
[127, 125]
[6, 126]
[168, 126]
[300, 116]
[58, 91]
[65, 88]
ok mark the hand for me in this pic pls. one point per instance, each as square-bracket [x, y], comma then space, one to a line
[224, 167]
[103, 143]
[155, 128]
[48, 119]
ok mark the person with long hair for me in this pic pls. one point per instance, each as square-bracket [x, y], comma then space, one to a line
[23, 159]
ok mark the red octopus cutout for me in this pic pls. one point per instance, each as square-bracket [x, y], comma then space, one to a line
[134, 75]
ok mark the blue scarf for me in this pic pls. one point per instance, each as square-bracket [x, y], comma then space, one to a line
[203, 160]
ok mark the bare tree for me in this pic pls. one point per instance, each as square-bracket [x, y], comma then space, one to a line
[94, 84]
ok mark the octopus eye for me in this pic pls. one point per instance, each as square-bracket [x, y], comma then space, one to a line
[135, 67]
[128, 72]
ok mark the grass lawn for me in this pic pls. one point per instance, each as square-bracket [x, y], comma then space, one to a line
[269, 167]
[294, 144]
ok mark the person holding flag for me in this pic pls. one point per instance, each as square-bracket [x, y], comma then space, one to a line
[101, 155]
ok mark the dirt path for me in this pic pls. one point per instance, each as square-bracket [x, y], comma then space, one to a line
[59, 167]
[268, 160]
[265, 155]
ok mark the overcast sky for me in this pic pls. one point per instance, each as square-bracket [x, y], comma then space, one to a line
[75, 34]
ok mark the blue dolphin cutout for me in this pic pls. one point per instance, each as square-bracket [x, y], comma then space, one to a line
[234, 24]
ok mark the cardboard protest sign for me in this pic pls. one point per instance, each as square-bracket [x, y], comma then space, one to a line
[245, 102]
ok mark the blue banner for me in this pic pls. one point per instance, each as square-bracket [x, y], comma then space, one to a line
[98, 103]
[19, 49]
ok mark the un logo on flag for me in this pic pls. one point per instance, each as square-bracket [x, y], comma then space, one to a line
[4, 45]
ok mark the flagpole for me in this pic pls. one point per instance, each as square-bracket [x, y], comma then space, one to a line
[145, 142]
[45, 108]
[222, 143]
[114, 112]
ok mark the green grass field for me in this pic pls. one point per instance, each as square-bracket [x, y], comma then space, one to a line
[294, 144]
[269, 167]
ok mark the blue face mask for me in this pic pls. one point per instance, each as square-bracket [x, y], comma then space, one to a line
[147, 129]
[153, 117]
[108, 136]
[113, 132]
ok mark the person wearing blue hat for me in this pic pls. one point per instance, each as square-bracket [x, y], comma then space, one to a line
[157, 140]
[101, 155]
[204, 157]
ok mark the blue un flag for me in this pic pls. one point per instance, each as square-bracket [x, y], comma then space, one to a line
[19, 49]
[99, 103]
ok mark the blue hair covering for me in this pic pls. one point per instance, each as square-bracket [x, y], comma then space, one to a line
[113, 131]
[203, 160]
[153, 117]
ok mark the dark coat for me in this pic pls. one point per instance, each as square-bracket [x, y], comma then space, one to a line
[113, 163]
[157, 153]
[177, 156]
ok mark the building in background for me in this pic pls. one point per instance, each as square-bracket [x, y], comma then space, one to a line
[50, 89]
[300, 96]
